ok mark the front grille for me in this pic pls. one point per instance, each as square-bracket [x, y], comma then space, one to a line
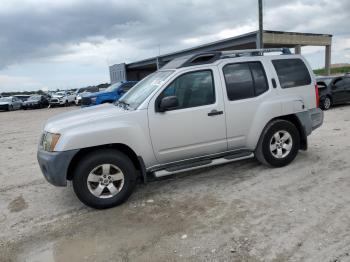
[54, 100]
[85, 100]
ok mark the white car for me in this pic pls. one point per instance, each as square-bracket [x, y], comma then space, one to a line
[10, 103]
[196, 111]
[62, 98]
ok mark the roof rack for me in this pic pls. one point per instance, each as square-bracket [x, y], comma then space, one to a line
[254, 52]
[211, 57]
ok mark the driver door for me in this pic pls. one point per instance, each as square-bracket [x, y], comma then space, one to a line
[191, 129]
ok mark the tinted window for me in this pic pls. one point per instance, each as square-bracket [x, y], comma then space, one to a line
[292, 72]
[244, 80]
[192, 89]
[259, 77]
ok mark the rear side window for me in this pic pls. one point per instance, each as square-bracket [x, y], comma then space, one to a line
[292, 72]
[244, 80]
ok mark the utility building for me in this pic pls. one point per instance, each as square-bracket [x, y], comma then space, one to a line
[272, 39]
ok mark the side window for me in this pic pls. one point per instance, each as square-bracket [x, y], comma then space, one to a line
[192, 89]
[339, 83]
[259, 77]
[292, 72]
[245, 80]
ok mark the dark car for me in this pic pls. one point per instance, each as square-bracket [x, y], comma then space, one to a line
[110, 95]
[333, 90]
[36, 101]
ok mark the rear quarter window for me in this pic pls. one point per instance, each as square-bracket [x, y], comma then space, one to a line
[292, 72]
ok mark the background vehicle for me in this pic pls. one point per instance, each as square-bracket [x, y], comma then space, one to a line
[84, 91]
[197, 111]
[62, 98]
[333, 90]
[22, 97]
[10, 103]
[36, 101]
[110, 95]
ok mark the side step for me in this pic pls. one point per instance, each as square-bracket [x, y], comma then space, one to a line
[202, 163]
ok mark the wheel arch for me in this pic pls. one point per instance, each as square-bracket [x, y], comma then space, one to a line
[137, 160]
[294, 119]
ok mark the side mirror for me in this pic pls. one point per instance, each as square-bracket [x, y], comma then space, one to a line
[167, 103]
[120, 91]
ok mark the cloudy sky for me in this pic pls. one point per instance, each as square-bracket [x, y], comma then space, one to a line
[48, 44]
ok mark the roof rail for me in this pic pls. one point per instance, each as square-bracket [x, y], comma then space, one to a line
[254, 52]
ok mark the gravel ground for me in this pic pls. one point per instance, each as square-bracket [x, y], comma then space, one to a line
[236, 212]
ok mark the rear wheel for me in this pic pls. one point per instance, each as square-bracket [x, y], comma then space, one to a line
[326, 103]
[279, 144]
[104, 179]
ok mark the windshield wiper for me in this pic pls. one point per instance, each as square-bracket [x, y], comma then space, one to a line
[122, 104]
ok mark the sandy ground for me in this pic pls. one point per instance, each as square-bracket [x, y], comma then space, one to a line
[237, 212]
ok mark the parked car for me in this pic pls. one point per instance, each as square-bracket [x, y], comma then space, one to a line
[62, 98]
[333, 90]
[23, 98]
[10, 103]
[197, 111]
[36, 101]
[84, 91]
[110, 95]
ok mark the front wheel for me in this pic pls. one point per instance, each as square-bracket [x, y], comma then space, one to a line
[10, 108]
[104, 179]
[279, 144]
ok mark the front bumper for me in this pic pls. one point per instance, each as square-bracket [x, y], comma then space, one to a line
[54, 165]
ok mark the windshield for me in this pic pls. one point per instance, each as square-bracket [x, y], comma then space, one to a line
[326, 80]
[143, 89]
[5, 99]
[34, 98]
[113, 87]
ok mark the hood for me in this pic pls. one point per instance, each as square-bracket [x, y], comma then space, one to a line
[83, 117]
[4, 103]
[57, 96]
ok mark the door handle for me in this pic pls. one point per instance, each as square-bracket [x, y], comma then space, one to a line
[215, 112]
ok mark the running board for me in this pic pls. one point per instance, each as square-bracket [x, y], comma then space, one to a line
[200, 164]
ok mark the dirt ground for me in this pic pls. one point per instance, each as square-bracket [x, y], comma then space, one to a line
[237, 212]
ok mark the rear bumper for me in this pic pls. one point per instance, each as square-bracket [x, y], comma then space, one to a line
[317, 116]
[54, 165]
[311, 119]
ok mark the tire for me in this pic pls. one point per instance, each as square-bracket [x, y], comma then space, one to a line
[10, 108]
[66, 103]
[326, 103]
[93, 165]
[269, 148]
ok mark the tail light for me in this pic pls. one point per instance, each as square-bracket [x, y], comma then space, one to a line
[317, 96]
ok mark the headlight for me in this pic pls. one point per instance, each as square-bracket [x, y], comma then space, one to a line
[49, 141]
[93, 99]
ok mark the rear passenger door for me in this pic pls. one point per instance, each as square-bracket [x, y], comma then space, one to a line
[341, 90]
[245, 87]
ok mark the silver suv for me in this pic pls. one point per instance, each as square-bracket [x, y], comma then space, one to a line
[197, 111]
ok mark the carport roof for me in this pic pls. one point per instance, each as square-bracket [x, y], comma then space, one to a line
[246, 41]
